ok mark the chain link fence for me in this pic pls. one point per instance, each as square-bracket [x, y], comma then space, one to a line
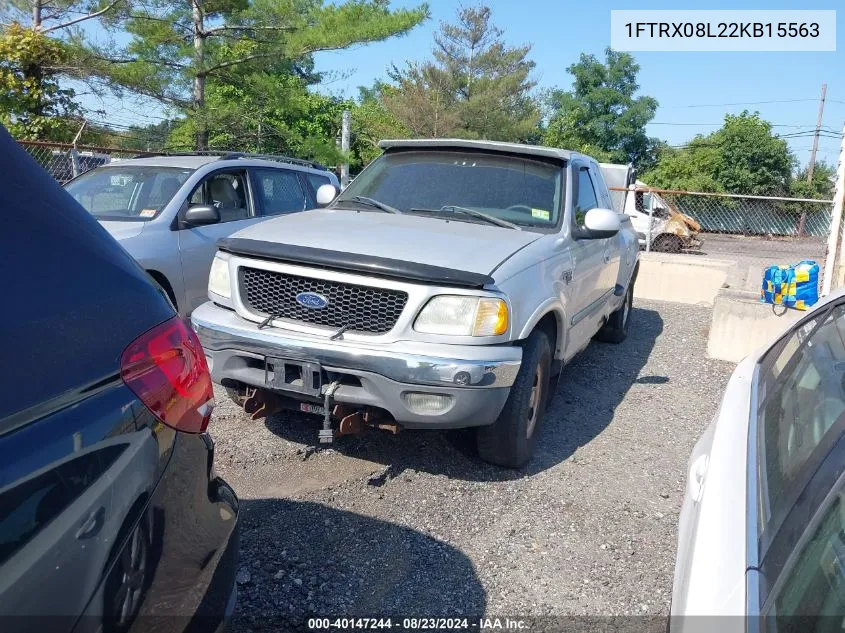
[64, 161]
[754, 232]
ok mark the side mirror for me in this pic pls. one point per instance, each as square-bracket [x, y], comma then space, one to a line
[201, 215]
[325, 194]
[600, 223]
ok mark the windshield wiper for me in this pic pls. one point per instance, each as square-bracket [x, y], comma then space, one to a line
[471, 212]
[370, 202]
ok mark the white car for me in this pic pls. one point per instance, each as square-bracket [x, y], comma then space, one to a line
[671, 231]
[762, 528]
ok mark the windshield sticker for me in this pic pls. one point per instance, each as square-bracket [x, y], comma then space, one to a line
[147, 213]
[540, 214]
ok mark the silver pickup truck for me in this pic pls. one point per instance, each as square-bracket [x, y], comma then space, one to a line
[444, 288]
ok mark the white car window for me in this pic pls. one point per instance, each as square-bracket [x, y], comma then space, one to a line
[814, 588]
[805, 399]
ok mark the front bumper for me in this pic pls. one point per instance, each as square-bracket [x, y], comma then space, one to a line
[477, 378]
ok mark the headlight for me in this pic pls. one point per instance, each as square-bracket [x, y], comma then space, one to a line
[218, 278]
[463, 316]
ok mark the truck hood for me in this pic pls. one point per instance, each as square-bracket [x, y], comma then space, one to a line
[122, 230]
[463, 246]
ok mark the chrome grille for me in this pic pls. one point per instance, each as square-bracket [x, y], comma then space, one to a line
[360, 308]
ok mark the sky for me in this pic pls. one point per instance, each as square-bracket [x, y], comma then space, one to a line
[691, 88]
[560, 30]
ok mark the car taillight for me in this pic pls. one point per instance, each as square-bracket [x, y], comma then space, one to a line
[166, 368]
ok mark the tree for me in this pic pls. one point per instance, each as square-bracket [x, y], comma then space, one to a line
[601, 116]
[742, 157]
[824, 177]
[371, 123]
[267, 112]
[32, 104]
[476, 86]
[35, 54]
[177, 47]
[423, 102]
[55, 16]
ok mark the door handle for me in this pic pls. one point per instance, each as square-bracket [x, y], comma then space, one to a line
[697, 472]
[92, 524]
[606, 258]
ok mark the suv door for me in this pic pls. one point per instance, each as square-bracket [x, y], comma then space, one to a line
[587, 262]
[229, 191]
[614, 246]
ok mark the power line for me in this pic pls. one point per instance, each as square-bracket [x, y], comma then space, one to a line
[721, 123]
[721, 105]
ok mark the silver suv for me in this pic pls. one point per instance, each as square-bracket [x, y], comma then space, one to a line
[169, 211]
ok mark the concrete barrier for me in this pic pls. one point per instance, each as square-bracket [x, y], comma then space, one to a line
[741, 324]
[681, 278]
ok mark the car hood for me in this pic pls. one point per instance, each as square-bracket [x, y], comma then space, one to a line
[122, 230]
[476, 248]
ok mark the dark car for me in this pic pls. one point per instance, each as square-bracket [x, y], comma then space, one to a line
[111, 515]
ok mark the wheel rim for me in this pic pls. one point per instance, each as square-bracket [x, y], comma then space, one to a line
[535, 402]
[626, 310]
[134, 563]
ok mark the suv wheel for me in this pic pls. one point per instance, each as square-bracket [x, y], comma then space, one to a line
[511, 439]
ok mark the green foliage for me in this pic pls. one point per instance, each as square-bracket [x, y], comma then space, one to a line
[175, 54]
[371, 123]
[267, 113]
[822, 186]
[601, 116]
[743, 156]
[475, 87]
[32, 104]
[690, 169]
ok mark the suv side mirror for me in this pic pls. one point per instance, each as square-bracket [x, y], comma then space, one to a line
[201, 215]
[600, 223]
[325, 194]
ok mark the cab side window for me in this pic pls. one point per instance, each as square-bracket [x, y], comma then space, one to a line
[227, 191]
[586, 196]
[279, 191]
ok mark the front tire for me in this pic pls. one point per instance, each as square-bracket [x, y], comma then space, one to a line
[511, 439]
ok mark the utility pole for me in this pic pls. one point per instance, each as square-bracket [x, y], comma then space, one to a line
[344, 147]
[816, 137]
[803, 220]
[833, 263]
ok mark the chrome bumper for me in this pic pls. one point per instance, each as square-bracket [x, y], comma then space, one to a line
[405, 362]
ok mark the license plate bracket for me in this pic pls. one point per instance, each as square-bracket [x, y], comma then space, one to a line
[299, 376]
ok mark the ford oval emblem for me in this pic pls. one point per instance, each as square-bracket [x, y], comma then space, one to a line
[312, 300]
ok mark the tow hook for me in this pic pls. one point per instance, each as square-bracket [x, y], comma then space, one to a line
[326, 434]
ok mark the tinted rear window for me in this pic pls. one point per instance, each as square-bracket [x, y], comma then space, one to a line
[74, 298]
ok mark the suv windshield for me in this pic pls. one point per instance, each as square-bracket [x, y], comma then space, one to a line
[524, 192]
[127, 192]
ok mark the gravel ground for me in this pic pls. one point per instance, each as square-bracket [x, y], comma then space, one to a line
[415, 525]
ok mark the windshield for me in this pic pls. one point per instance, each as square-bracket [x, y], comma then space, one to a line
[521, 191]
[127, 193]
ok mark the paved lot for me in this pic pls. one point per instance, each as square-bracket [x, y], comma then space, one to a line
[753, 254]
[415, 525]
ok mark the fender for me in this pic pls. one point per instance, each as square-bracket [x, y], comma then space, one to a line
[554, 306]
